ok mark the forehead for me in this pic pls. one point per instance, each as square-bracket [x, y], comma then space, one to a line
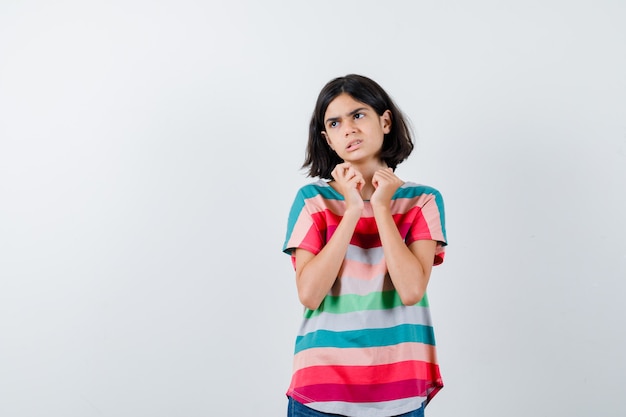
[343, 104]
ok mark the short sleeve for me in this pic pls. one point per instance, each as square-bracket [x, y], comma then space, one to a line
[429, 223]
[302, 230]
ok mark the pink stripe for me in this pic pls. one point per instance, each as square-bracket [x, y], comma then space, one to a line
[318, 204]
[355, 269]
[300, 229]
[365, 356]
[430, 215]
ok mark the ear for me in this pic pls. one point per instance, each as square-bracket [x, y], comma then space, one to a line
[327, 140]
[385, 119]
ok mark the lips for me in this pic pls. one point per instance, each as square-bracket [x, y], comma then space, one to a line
[353, 145]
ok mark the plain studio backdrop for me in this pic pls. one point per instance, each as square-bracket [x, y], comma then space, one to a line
[150, 152]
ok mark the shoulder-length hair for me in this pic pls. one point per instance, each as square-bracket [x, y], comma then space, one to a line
[397, 144]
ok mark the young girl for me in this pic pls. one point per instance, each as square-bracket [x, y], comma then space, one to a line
[363, 243]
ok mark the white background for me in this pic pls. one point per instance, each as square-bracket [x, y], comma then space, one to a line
[150, 151]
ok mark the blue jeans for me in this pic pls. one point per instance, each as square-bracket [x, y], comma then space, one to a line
[296, 409]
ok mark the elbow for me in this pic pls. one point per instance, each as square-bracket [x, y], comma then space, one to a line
[308, 300]
[410, 298]
[308, 294]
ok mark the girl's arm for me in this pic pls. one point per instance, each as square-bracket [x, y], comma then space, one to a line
[316, 274]
[409, 266]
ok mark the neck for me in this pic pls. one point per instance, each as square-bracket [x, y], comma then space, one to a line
[368, 171]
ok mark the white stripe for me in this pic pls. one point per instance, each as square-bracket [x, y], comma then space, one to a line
[381, 409]
[371, 256]
[368, 319]
[359, 286]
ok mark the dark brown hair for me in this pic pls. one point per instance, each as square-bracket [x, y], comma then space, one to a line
[397, 144]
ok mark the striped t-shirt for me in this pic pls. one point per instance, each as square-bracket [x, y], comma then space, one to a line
[362, 352]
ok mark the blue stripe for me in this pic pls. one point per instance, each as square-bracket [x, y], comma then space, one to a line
[320, 188]
[367, 338]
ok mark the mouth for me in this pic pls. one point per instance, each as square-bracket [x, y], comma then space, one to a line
[353, 145]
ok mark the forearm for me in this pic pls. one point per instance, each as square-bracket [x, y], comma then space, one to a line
[409, 274]
[315, 275]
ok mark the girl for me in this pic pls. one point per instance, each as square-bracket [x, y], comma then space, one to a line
[363, 243]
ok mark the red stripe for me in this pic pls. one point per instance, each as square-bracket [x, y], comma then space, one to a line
[366, 393]
[366, 232]
[379, 374]
[312, 241]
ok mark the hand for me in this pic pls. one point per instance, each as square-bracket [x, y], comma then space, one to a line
[385, 183]
[349, 182]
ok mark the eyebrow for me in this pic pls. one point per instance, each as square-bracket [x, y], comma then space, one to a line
[352, 113]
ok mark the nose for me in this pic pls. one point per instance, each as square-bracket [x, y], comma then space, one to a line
[349, 127]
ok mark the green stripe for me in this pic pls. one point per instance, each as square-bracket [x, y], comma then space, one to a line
[349, 303]
[403, 333]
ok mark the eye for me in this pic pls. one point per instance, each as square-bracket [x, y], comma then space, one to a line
[359, 116]
[333, 124]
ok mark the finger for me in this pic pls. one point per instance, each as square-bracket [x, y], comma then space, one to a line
[339, 168]
[351, 173]
[344, 165]
[384, 174]
[360, 185]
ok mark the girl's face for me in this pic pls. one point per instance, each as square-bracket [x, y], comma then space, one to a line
[354, 130]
